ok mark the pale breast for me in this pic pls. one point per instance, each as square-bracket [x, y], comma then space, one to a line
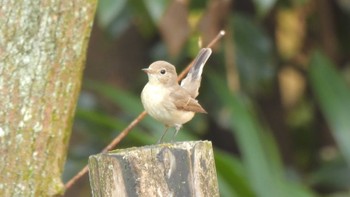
[156, 102]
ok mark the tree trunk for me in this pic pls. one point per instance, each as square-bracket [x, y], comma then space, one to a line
[180, 169]
[42, 53]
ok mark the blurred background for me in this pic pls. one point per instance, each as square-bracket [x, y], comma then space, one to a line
[276, 89]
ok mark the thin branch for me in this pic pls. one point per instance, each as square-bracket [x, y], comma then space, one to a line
[217, 38]
[116, 141]
[138, 119]
[73, 180]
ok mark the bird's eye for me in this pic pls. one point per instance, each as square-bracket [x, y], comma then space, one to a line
[162, 71]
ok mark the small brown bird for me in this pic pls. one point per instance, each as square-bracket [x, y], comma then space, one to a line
[167, 101]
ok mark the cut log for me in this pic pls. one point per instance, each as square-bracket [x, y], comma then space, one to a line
[176, 169]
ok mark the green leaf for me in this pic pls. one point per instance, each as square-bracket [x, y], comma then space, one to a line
[142, 17]
[100, 119]
[109, 10]
[156, 9]
[264, 6]
[334, 97]
[233, 179]
[254, 55]
[259, 152]
[104, 121]
[332, 175]
[248, 136]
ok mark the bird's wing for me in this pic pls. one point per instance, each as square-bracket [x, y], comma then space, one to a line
[193, 79]
[183, 101]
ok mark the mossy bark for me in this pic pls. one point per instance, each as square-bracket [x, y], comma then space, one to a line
[180, 169]
[42, 53]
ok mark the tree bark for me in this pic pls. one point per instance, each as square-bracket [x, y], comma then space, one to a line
[42, 53]
[180, 169]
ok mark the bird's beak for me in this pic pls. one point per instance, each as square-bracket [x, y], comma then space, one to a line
[146, 70]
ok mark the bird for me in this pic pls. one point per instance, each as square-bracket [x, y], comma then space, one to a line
[169, 102]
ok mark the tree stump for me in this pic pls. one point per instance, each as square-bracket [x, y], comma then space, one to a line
[176, 169]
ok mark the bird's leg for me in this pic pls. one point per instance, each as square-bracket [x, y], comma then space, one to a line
[177, 129]
[161, 138]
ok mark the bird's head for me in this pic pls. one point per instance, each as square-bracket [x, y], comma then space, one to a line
[161, 72]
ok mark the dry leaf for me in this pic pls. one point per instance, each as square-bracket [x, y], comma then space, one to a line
[214, 19]
[290, 32]
[174, 26]
[292, 85]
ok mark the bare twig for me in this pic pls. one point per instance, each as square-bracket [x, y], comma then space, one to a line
[125, 132]
[73, 180]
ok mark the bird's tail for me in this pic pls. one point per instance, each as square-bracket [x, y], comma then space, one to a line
[192, 81]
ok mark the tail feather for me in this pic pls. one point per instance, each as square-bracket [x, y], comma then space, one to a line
[193, 79]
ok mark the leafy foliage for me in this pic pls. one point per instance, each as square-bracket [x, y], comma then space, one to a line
[334, 97]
